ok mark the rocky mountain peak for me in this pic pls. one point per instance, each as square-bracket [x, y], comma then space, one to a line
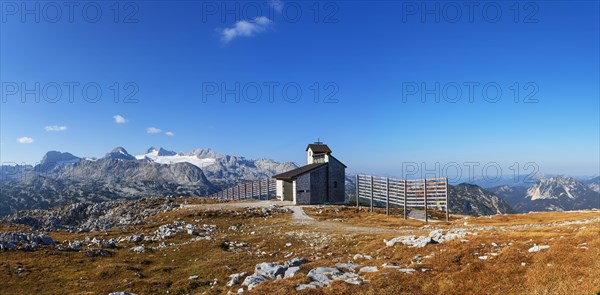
[554, 188]
[160, 152]
[53, 157]
[119, 153]
[204, 153]
[472, 199]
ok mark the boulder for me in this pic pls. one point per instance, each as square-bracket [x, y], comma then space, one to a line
[354, 281]
[411, 241]
[235, 278]
[254, 280]
[349, 266]
[305, 286]
[369, 269]
[536, 248]
[360, 256]
[296, 262]
[407, 270]
[139, 249]
[269, 269]
[321, 275]
[291, 271]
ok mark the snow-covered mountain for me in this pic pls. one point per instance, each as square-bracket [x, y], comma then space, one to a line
[557, 193]
[62, 178]
[221, 169]
[163, 156]
[119, 153]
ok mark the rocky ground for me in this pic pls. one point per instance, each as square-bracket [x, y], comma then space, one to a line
[188, 246]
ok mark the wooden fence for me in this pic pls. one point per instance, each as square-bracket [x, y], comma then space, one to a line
[261, 190]
[420, 193]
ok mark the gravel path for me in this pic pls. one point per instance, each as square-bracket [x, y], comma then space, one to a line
[300, 217]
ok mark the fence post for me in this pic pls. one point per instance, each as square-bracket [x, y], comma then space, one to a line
[268, 188]
[446, 193]
[371, 193]
[387, 196]
[357, 194]
[425, 197]
[404, 198]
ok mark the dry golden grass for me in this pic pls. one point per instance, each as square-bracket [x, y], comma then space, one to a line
[363, 217]
[532, 218]
[565, 268]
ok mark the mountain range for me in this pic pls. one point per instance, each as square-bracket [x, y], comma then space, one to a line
[63, 178]
[463, 198]
[221, 169]
[559, 193]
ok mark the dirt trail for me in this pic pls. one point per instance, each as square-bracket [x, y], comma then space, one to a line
[300, 217]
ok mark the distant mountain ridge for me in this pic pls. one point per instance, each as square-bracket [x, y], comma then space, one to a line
[593, 184]
[62, 178]
[221, 169]
[472, 199]
[464, 198]
[559, 193]
[53, 159]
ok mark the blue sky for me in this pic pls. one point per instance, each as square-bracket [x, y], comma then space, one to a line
[367, 56]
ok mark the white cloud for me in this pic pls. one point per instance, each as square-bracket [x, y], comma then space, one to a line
[119, 119]
[55, 128]
[169, 133]
[153, 130]
[25, 140]
[245, 28]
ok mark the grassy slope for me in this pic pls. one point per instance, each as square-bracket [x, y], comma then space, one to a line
[565, 268]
